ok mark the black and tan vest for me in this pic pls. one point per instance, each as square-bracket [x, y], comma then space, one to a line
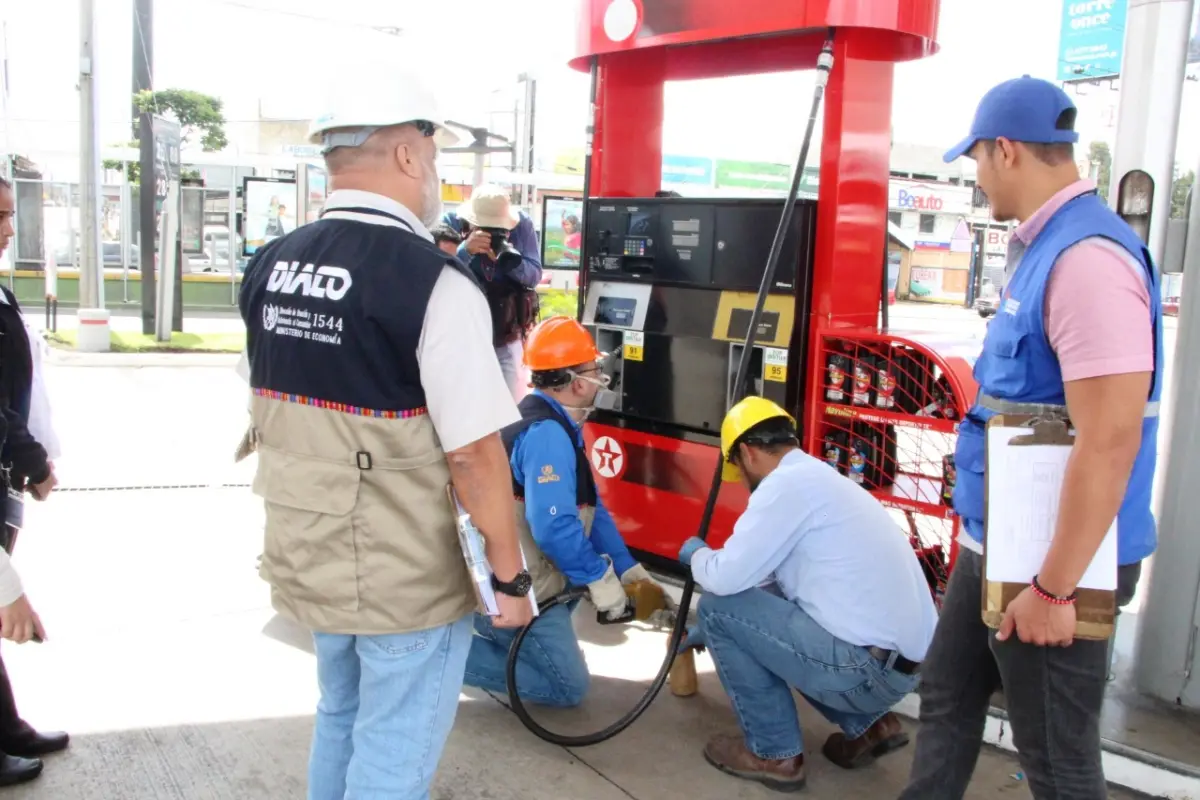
[359, 535]
[548, 580]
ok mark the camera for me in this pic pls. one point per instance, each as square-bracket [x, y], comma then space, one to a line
[507, 256]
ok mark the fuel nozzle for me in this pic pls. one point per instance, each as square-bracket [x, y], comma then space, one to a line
[627, 615]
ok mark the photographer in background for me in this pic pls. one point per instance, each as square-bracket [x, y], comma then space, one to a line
[501, 248]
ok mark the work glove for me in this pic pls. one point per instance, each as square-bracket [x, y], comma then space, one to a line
[689, 549]
[608, 595]
[646, 593]
[693, 640]
[634, 574]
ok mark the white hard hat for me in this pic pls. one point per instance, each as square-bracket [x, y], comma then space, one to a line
[357, 117]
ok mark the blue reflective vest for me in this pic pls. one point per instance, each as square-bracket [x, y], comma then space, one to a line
[1017, 365]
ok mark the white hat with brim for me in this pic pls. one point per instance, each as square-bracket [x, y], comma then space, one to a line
[489, 207]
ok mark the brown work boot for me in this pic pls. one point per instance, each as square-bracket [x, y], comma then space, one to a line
[880, 739]
[728, 753]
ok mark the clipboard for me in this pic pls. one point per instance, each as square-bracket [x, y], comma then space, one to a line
[1095, 609]
[474, 550]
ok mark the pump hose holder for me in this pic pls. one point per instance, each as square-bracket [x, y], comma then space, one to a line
[824, 65]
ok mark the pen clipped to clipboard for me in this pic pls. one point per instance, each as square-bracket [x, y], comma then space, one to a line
[1026, 460]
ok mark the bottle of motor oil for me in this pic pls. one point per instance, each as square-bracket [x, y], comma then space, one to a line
[949, 478]
[921, 370]
[945, 399]
[908, 391]
[861, 455]
[885, 384]
[837, 377]
[885, 451]
[864, 368]
[834, 450]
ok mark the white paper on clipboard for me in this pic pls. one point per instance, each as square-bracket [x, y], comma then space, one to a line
[474, 552]
[1024, 484]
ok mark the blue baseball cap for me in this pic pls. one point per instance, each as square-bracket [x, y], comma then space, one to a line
[1024, 109]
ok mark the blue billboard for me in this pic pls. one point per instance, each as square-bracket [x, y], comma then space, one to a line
[687, 169]
[1092, 39]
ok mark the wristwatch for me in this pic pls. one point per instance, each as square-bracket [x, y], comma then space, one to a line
[519, 586]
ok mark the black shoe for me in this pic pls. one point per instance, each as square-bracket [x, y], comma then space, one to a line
[14, 770]
[34, 744]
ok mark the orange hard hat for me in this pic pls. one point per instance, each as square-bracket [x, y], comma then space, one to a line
[559, 343]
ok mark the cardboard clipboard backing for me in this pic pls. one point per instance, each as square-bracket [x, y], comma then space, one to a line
[1095, 609]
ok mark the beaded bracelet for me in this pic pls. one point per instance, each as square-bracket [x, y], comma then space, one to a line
[1052, 598]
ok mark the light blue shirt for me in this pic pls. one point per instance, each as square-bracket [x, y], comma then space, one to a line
[834, 551]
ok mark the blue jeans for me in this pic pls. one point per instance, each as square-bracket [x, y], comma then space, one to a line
[763, 646]
[550, 670]
[387, 705]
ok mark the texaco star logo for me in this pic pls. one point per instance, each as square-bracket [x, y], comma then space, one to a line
[607, 457]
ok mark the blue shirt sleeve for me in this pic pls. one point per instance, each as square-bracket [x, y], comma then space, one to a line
[524, 238]
[762, 538]
[544, 460]
[607, 539]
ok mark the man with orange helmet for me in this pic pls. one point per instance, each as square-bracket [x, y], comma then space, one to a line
[567, 535]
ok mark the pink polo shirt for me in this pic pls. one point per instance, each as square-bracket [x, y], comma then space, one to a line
[1097, 303]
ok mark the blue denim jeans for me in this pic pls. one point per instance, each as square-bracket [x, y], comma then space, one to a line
[764, 646]
[387, 705]
[550, 671]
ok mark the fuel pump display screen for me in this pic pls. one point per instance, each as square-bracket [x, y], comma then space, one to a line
[641, 223]
[615, 310]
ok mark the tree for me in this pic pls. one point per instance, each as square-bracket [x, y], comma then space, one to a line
[197, 114]
[1179, 192]
[1100, 155]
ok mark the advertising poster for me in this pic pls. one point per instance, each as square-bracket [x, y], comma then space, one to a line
[938, 285]
[191, 219]
[267, 215]
[1193, 53]
[165, 141]
[318, 190]
[561, 232]
[1091, 40]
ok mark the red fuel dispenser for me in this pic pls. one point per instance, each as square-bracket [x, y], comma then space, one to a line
[668, 284]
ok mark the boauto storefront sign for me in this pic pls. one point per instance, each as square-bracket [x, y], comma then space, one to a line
[928, 198]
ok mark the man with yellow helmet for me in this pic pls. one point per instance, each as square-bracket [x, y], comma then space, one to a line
[817, 590]
[566, 533]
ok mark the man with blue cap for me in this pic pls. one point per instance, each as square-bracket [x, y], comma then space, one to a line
[1078, 332]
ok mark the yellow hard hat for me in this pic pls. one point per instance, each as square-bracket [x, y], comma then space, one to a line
[740, 419]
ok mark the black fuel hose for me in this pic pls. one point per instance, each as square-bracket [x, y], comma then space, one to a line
[824, 65]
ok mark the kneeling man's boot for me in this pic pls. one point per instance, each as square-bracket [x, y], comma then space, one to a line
[880, 739]
[730, 754]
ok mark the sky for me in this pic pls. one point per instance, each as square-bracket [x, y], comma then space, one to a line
[280, 58]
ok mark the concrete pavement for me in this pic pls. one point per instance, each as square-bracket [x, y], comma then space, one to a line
[158, 663]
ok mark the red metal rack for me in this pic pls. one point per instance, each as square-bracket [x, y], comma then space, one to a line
[885, 412]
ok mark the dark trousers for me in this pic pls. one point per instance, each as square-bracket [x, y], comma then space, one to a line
[1053, 696]
[11, 724]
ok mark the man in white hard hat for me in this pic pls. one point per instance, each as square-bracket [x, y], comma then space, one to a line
[501, 248]
[375, 385]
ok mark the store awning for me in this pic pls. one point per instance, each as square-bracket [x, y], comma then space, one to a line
[899, 237]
